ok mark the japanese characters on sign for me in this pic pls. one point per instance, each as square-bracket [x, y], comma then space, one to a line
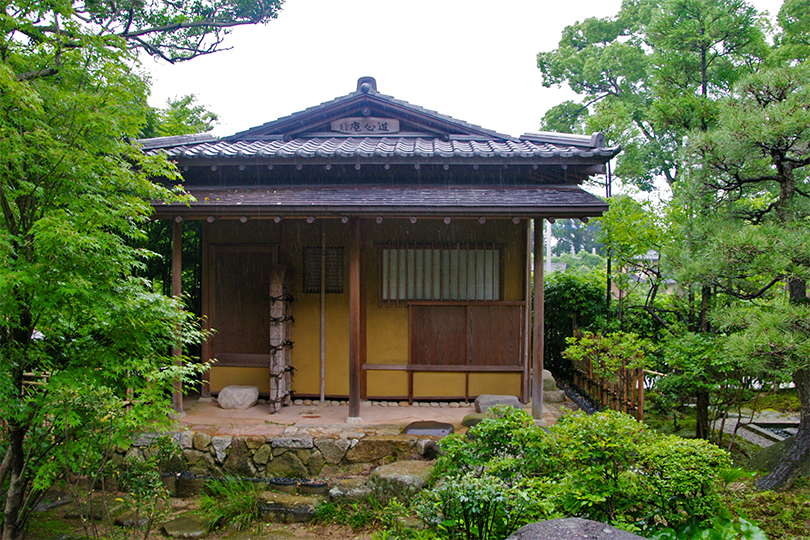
[366, 126]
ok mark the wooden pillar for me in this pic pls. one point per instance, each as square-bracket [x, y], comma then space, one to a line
[355, 332]
[205, 387]
[537, 328]
[177, 290]
[525, 384]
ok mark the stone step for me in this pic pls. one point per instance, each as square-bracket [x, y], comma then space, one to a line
[287, 508]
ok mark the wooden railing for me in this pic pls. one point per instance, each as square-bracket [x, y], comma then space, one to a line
[623, 391]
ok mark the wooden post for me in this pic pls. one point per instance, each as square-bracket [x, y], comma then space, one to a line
[177, 290]
[525, 385]
[205, 387]
[355, 332]
[323, 311]
[537, 327]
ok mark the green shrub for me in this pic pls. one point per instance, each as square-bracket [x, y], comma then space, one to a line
[606, 467]
[480, 507]
[680, 476]
[596, 456]
[505, 444]
[230, 503]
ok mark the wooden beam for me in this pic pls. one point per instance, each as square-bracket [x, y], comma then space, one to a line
[537, 327]
[177, 291]
[355, 333]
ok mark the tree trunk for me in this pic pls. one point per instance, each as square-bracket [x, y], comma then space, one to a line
[792, 464]
[702, 413]
[16, 487]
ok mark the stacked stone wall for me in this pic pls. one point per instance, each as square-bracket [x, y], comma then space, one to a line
[296, 453]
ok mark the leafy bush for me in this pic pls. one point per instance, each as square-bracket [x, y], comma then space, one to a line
[606, 467]
[679, 474]
[596, 457]
[480, 507]
[230, 503]
[503, 445]
[722, 527]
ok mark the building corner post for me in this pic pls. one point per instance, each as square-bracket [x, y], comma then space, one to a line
[538, 325]
[355, 334]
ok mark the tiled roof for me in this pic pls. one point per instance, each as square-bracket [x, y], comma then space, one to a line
[562, 201]
[380, 147]
[372, 96]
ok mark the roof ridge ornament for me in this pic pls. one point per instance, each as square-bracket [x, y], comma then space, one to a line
[366, 84]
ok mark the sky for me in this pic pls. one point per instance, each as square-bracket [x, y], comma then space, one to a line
[471, 59]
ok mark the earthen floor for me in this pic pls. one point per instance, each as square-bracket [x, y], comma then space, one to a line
[208, 417]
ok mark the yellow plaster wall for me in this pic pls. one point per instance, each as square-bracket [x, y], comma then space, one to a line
[387, 327]
[306, 330]
[387, 383]
[430, 385]
[495, 383]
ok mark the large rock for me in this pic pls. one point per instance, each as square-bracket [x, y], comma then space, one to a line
[238, 397]
[767, 458]
[400, 480]
[371, 449]
[571, 529]
[486, 401]
[549, 384]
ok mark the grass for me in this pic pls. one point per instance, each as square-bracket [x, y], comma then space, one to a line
[783, 515]
[230, 503]
[785, 400]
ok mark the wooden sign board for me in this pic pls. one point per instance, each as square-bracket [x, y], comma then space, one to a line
[366, 126]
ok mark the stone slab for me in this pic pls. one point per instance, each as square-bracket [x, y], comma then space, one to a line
[428, 427]
[571, 529]
[399, 480]
[486, 401]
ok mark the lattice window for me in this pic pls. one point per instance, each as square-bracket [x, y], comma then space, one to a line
[469, 272]
[334, 270]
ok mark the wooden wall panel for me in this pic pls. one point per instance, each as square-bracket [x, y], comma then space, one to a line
[240, 303]
[438, 335]
[494, 335]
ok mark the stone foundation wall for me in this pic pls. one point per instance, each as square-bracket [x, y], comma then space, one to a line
[296, 453]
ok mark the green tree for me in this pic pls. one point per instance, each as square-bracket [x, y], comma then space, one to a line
[650, 74]
[573, 236]
[83, 340]
[181, 117]
[754, 170]
[573, 301]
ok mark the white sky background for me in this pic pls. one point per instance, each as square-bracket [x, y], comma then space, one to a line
[474, 60]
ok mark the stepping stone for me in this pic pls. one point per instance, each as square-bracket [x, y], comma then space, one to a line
[428, 427]
[186, 526]
[349, 490]
[571, 529]
[400, 480]
[286, 508]
[486, 401]
[473, 419]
